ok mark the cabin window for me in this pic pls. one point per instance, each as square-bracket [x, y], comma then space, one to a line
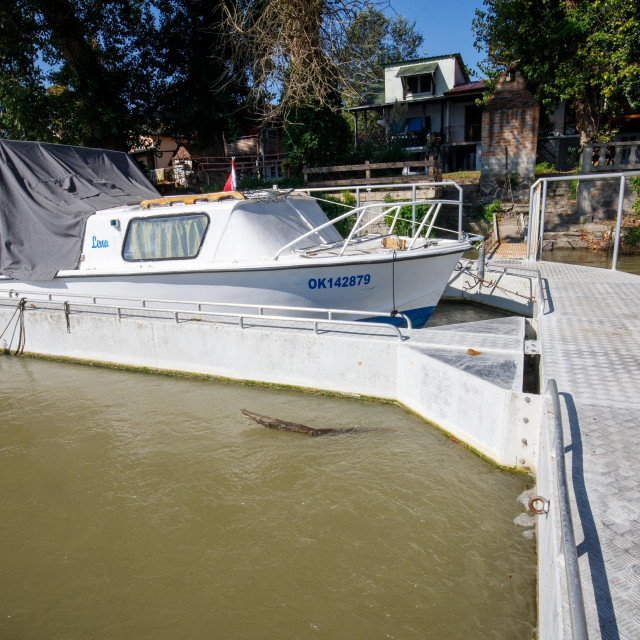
[165, 237]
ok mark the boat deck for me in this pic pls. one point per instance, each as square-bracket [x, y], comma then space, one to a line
[590, 341]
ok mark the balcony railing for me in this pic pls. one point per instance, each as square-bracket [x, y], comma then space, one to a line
[610, 156]
[463, 133]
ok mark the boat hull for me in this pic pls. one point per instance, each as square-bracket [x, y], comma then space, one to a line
[412, 285]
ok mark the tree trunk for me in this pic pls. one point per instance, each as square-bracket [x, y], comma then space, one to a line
[588, 116]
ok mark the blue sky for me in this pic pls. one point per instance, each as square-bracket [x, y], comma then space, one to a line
[445, 25]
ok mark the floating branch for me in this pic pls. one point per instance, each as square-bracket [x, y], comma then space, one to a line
[282, 425]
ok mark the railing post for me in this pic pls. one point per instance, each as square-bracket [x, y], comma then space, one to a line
[543, 211]
[586, 158]
[414, 191]
[616, 244]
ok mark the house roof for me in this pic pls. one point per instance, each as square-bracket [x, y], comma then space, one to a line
[476, 86]
[457, 56]
[417, 69]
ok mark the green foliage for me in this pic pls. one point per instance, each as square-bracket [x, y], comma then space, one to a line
[319, 136]
[491, 211]
[631, 239]
[404, 226]
[374, 152]
[573, 189]
[211, 188]
[544, 167]
[332, 210]
[585, 52]
[372, 40]
[635, 186]
[102, 72]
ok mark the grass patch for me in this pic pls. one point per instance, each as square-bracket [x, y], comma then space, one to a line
[461, 175]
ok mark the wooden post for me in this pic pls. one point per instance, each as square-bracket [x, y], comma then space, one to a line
[355, 129]
[367, 171]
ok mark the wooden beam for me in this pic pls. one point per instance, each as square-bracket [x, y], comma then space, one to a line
[364, 167]
[360, 181]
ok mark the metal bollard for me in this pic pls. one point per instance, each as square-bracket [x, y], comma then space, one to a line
[481, 262]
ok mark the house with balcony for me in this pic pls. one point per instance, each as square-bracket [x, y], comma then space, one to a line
[425, 103]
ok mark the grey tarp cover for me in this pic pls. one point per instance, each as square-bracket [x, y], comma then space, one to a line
[47, 192]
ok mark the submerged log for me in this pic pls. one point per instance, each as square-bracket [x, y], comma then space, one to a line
[283, 425]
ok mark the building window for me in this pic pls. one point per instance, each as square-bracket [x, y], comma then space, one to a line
[418, 84]
[165, 237]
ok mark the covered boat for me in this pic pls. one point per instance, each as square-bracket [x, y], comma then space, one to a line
[77, 221]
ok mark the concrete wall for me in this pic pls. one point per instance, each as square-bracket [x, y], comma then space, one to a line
[494, 420]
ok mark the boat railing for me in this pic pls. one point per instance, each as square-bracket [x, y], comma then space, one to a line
[151, 304]
[389, 210]
[369, 189]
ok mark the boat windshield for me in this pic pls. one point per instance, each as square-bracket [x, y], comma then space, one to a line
[165, 237]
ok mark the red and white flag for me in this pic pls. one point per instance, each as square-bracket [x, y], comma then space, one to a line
[231, 184]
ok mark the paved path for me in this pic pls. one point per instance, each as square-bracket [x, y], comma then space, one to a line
[590, 334]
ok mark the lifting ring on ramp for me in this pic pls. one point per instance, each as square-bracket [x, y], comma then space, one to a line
[538, 505]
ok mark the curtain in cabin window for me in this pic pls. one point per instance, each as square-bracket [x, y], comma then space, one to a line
[165, 238]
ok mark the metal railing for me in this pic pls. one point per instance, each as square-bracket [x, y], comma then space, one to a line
[414, 186]
[150, 304]
[359, 226]
[574, 585]
[538, 205]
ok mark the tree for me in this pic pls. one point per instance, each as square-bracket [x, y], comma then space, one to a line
[298, 52]
[203, 91]
[584, 51]
[371, 40]
[84, 64]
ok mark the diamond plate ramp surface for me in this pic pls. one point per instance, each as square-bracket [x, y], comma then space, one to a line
[590, 336]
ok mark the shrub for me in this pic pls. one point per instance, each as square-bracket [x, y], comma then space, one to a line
[635, 186]
[544, 167]
[489, 211]
[404, 227]
[573, 189]
[332, 211]
[631, 239]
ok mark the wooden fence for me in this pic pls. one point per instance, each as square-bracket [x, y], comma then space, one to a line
[431, 171]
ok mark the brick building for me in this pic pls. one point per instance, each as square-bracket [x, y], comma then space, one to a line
[510, 131]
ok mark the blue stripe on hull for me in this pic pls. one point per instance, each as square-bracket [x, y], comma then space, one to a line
[418, 317]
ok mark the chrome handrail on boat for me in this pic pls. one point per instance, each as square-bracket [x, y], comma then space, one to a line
[358, 226]
[414, 186]
[68, 297]
[359, 212]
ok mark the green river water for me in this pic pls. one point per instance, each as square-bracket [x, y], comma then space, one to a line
[146, 506]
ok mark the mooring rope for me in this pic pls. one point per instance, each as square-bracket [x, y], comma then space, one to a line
[488, 283]
[21, 332]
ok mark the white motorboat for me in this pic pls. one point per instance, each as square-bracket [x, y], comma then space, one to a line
[276, 249]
